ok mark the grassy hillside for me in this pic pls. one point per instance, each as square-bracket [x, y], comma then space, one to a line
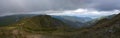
[36, 26]
[42, 23]
[105, 28]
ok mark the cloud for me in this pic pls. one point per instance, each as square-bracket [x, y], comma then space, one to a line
[85, 12]
[104, 5]
[28, 6]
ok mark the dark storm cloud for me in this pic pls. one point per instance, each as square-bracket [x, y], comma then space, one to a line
[106, 5]
[43, 5]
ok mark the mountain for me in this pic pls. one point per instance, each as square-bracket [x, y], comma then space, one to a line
[105, 28]
[42, 22]
[45, 26]
[10, 19]
[35, 27]
[74, 18]
[70, 20]
[97, 20]
[74, 21]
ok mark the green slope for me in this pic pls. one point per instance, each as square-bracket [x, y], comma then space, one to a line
[105, 28]
[10, 19]
[34, 26]
[42, 23]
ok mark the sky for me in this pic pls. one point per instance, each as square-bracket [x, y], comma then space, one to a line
[60, 7]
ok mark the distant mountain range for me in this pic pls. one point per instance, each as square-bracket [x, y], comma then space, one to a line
[70, 20]
[74, 21]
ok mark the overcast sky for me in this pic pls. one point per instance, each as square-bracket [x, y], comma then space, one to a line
[41, 6]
